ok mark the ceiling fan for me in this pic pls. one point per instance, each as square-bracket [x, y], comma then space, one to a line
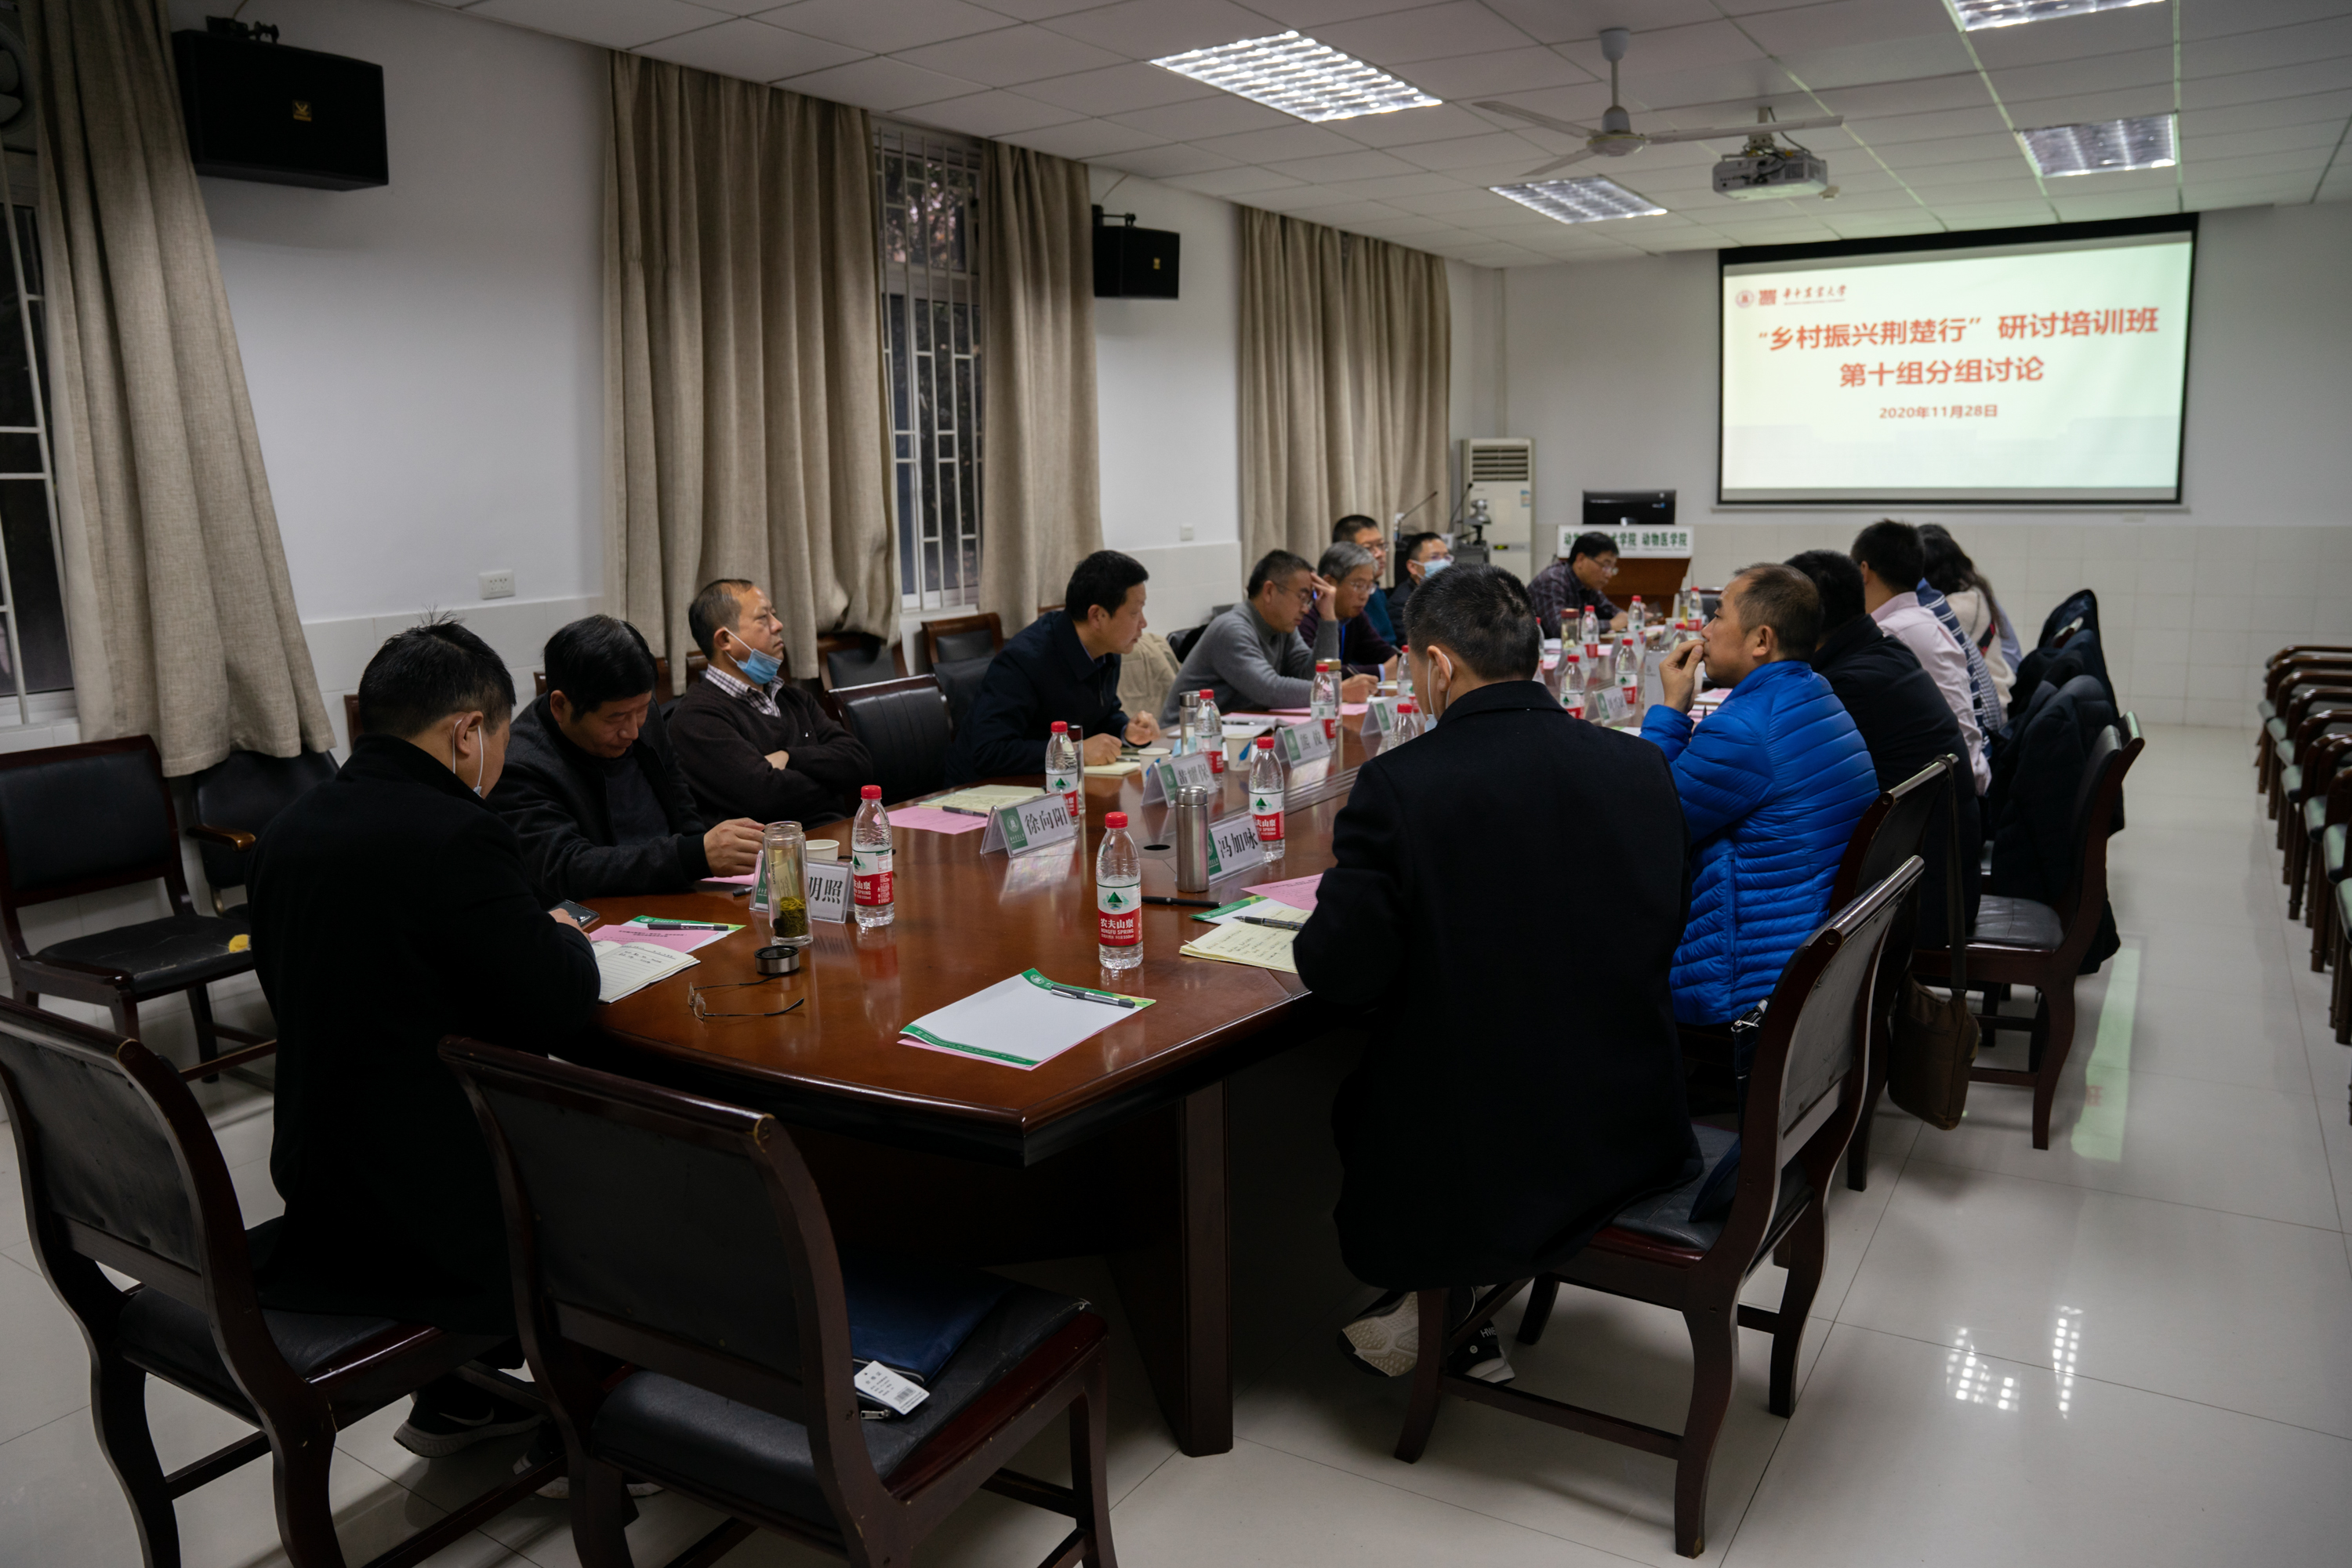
[1615, 136]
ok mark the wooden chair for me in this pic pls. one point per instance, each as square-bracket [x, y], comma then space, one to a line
[2326, 856]
[2283, 673]
[2321, 742]
[2339, 1006]
[2295, 705]
[905, 728]
[2020, 943]
[1804, 1095]
[686, 1238]
[956, 638]
[120, 1169]
[352, 730]
[238, 796]
[858, 658]
[84, 818]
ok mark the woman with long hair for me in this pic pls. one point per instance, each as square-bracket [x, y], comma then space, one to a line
[1954, 575]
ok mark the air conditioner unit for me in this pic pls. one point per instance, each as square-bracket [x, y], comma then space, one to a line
[1498, 477]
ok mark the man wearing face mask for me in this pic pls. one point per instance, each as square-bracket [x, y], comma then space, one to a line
[750, 744]
[592, 788]
[392, 1210]
[1491, 1130]
[1420, 557]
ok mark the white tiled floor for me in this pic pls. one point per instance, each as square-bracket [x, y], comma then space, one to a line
[2131, 1348]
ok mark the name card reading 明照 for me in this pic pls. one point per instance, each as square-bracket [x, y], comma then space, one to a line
[1234, 846]
[1018, 826]
[1305, 742]
[828, 890]
[1166, 775]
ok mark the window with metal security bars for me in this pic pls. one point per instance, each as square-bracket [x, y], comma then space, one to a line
[32, 602]
[927, 184]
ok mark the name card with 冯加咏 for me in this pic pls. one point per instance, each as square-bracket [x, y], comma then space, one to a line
[1234, 846]
[1166, 775]
[1305, 742]
[828, 890]
[1018, 826]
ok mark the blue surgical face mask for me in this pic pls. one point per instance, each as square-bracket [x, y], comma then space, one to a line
[1433, 565]
[758, 668]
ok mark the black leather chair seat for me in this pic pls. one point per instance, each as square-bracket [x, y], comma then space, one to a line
[163, 955]
[657, 1426]
[1667, 1215]
[955, 647]
[172, 1339]
[2004, 921]
[960, 679]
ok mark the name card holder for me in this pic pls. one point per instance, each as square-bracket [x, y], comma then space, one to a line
[1021, 826]
[1163, 776]
[1305, 742]
[1234, 846]
[827, 884]
[1379, 716]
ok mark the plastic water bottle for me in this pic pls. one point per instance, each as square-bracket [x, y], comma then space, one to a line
[1636, 617]
[1119, 896]
[1209, 725]
[1551, 666]
[1325, 704]
[1062, 772]
[1571, 683]
[1408, 723]
[1188, 722]
[1266, 800]
[1405, 670]
[871, 861]
[1591, 635]
[1628, 707]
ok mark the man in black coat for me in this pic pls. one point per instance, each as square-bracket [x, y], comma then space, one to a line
[1508, 1105]
[591, 787]
[750, 743]
[391, 907]
[1903, 720]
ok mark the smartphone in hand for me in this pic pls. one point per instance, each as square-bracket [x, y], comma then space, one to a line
[580, 912]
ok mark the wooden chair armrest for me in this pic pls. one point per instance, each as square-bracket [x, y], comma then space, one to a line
[227, 837]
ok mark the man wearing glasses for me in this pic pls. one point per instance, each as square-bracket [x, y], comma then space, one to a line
[1564, 589]
[1252, 657]
[1365, 534]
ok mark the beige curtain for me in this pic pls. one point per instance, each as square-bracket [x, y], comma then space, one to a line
[1346, 354]
[1041, 499]
[744, 429]
[179, 611]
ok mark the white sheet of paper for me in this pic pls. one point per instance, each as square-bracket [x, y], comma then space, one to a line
[625, 967]
[1019, 1021]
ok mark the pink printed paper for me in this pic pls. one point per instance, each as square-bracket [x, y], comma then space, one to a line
[931, 819]
[676, 941]
[1298, 892]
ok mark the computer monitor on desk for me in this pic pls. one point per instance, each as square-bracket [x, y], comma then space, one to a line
[1608, 511]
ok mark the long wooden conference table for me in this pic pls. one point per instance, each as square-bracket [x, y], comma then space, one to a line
[1115, 1147]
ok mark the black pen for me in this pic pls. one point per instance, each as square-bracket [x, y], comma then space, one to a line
[963, 811]
[1186, 903]
[1278, 925]
[1076, 994]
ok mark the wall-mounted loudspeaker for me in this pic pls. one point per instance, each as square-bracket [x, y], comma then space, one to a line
[1133, 263]
[258, 110]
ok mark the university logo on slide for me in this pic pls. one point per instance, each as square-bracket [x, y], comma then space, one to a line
[1744, 298]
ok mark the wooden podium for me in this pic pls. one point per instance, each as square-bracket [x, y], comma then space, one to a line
[1654, 577]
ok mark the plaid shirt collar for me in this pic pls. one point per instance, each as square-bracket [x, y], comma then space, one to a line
[757, 696]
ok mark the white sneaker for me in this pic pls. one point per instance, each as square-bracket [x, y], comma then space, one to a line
[1384, 1341]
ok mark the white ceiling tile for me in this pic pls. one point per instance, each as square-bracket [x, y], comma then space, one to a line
[1302, 199]
[1010, 57]
[1495, 73]
[2091, 209]
[1445, 203]
[1658, 51]
[1117, 89]
[1858, 225]
[2300, 110]
[1084, 139]
[1161, 162]
[1403, 228]
[1996, 217]
[2272, 46]
[615, 24]
[1566, 21]
[878, 29]
[1357, 212]
[1387, 187]
[753, 51]
[732, 7]
[1039, 10]
[1358, 166]
[1148, 30]
[1233, 181]
[2250, 87]
[1424, 33]
[1919, 95]
[1408, 125]
[1896, 131]
[2200, 149]
[2308, 162]
[1582, 103]
[996, 113]
[1463, 152]
[1288, 142]
[2080, 37]
[2246, 16]
[1746, 82]
[2136, 68]
[1898, 60]
[1224, 115]
[1844, 24]
[2077, 108]
[1997, 145]
[882, 83]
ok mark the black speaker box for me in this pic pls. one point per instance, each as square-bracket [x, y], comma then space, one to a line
[1135, 263]
[285, 115]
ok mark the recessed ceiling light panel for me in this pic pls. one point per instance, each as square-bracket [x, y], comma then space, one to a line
[1300, 76]
[2150, 141]
[1975, 13]
[1586, 200]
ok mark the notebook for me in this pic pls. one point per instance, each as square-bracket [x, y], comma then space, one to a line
[625, 968]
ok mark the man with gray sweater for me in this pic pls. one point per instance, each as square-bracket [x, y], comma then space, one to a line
[1253, 658]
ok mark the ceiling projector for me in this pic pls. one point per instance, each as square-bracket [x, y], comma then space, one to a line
[1765, 169]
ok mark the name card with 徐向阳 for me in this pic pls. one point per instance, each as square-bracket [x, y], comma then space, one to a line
[1021, 826]
[1166, 775]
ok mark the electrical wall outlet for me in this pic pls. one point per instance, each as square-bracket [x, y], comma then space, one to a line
[497, 585]
[1184, 532]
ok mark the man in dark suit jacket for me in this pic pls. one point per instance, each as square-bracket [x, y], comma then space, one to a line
[392, 1210]
[591, 787]
[750, 743]
[1064, 664]
[1903, 720]
[1506, 1106]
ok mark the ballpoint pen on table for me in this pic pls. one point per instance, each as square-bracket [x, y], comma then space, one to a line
[1076, 994]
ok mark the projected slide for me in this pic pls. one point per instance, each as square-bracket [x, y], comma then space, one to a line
[2019, 373]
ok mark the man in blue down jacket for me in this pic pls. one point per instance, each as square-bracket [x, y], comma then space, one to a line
[1771, 786]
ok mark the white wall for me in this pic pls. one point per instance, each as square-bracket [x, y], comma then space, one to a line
[426, 360]
[1611, 368]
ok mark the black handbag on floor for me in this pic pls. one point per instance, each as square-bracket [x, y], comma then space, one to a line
[1935, 1042]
